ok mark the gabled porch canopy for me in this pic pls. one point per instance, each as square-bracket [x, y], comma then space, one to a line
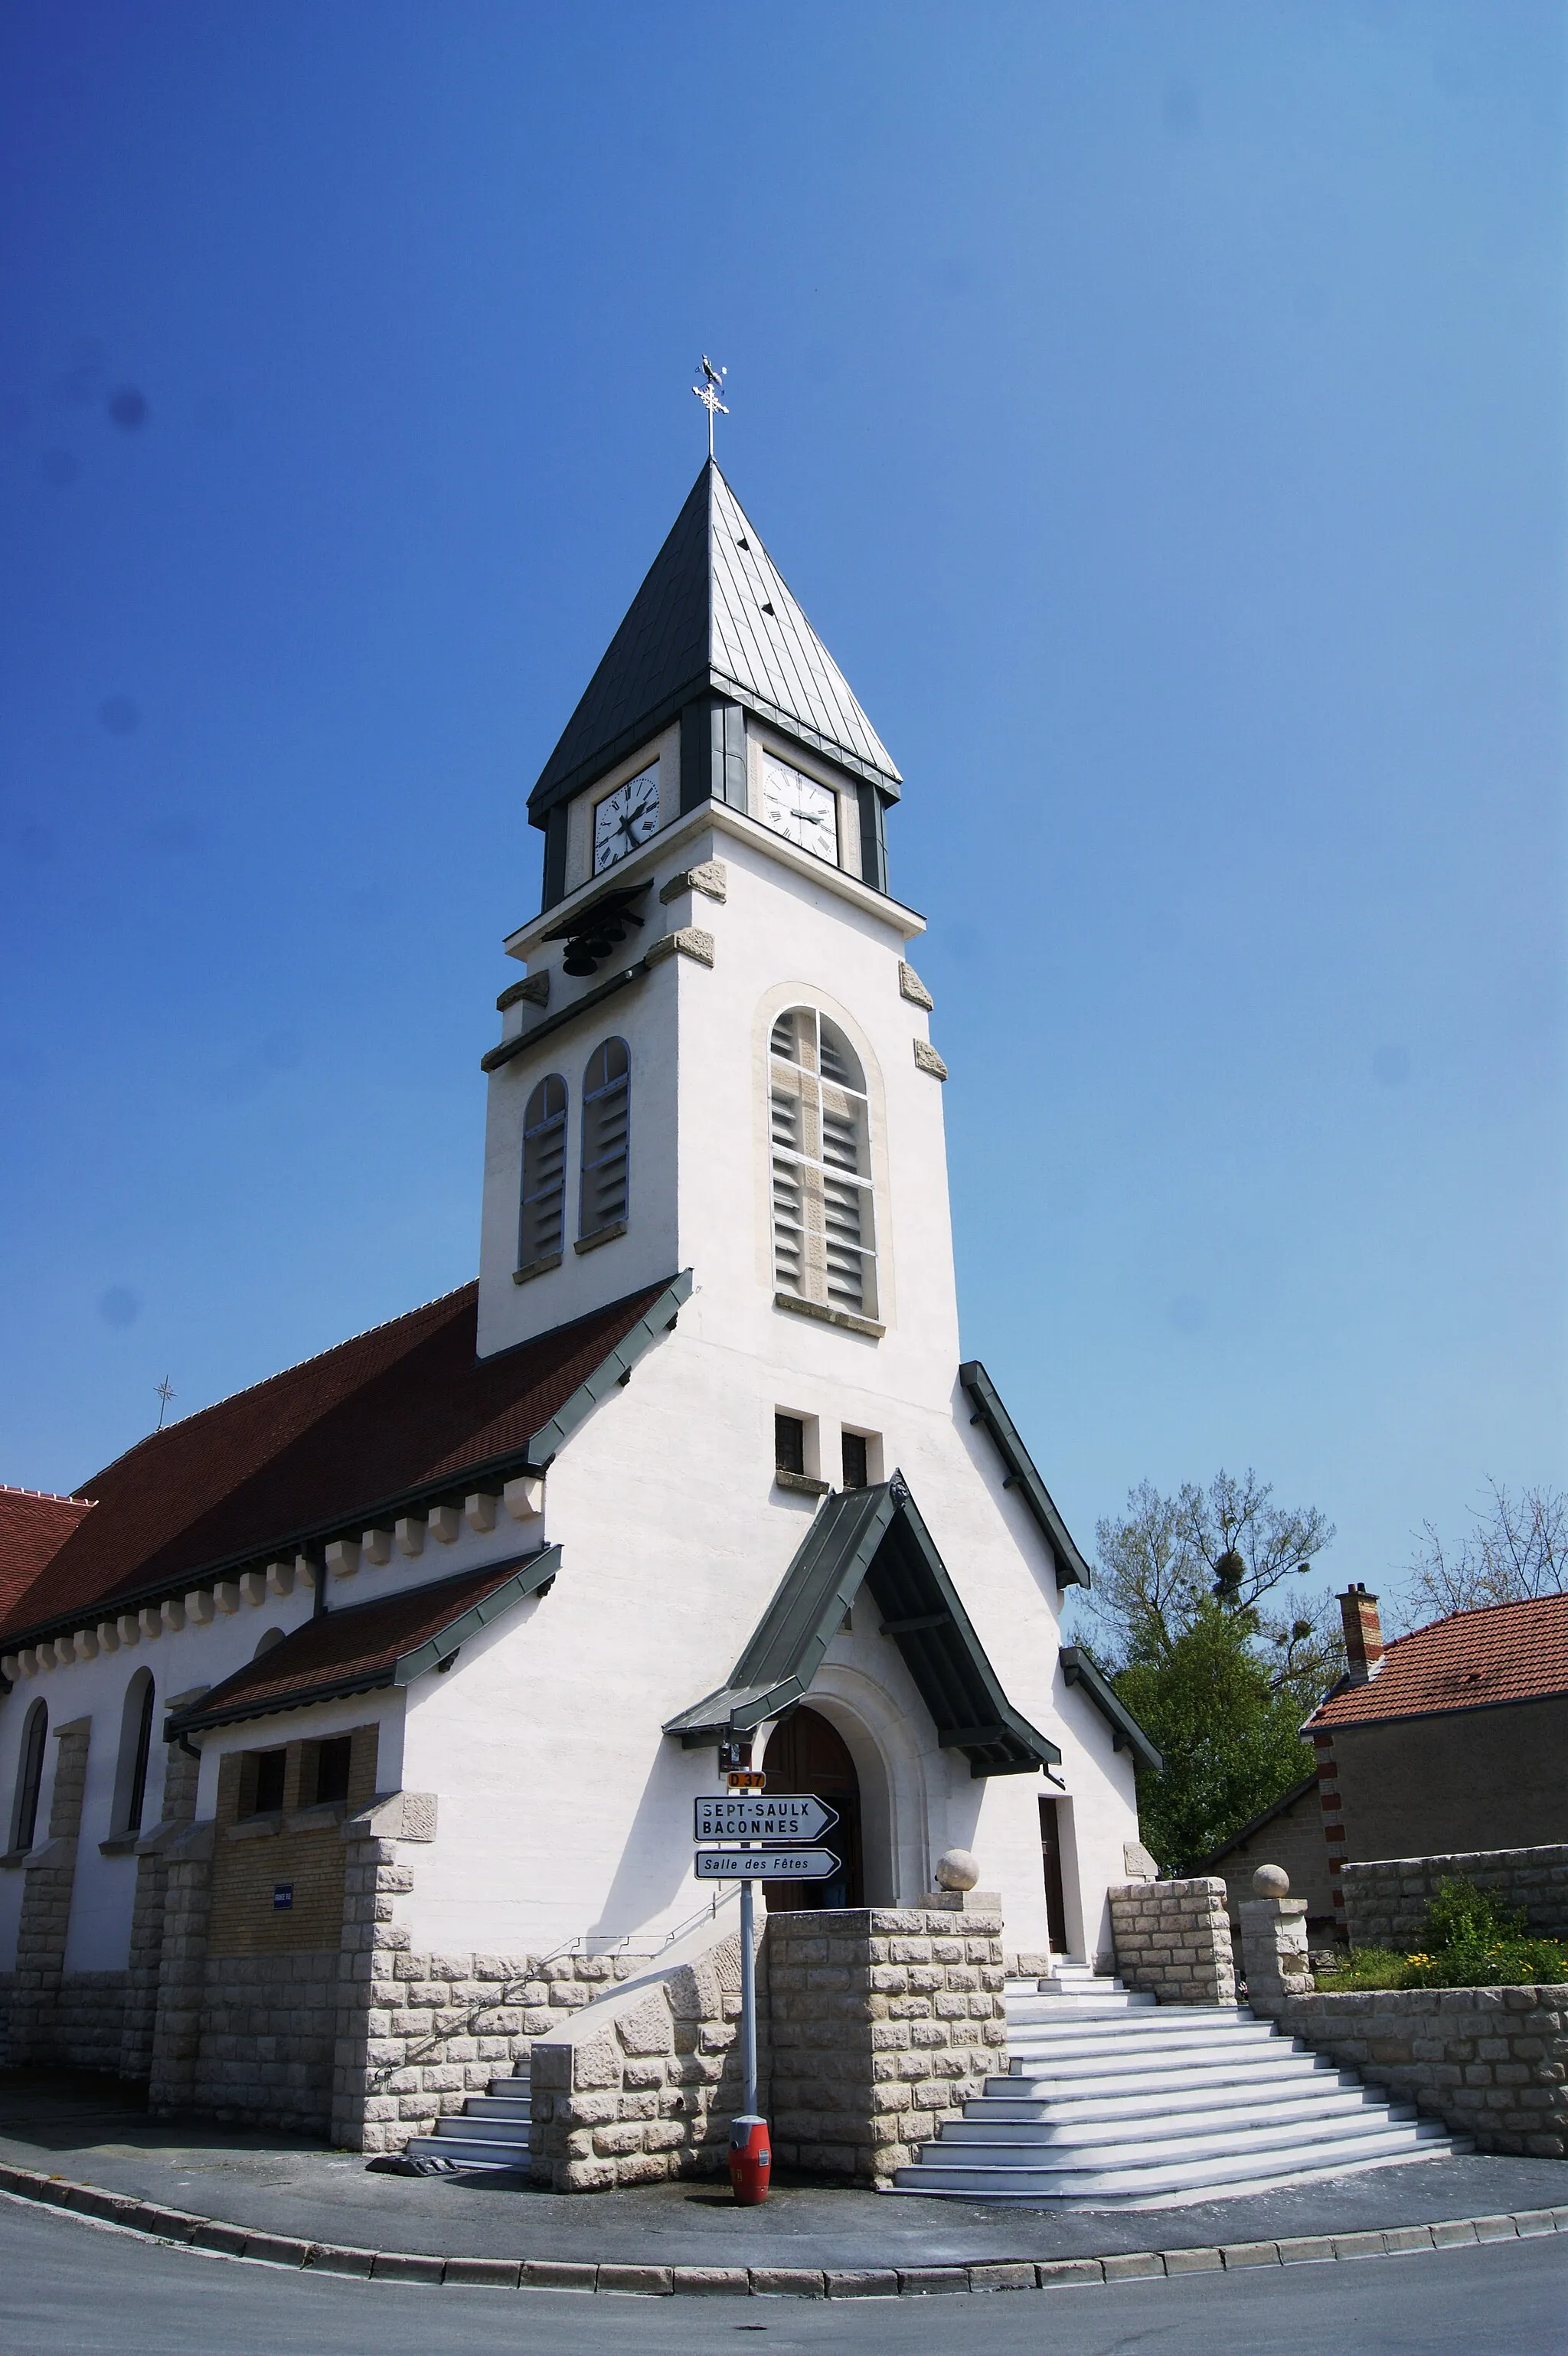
[873, 1538]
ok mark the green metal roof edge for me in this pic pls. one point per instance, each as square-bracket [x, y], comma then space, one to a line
[525, 1580]
[1071, 1571]
[743, 1706]
[196, 1721]
[1045, 1750]
[545, 1444]
[533, 1571]
[1080, 1670]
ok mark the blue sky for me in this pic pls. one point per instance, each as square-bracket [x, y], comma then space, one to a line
[1157, 410]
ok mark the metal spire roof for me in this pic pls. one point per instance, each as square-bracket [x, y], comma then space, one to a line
[714, 615]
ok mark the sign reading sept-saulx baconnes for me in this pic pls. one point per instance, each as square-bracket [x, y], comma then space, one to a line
[762, 1815]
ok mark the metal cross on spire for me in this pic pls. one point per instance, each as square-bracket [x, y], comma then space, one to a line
[165, 1392]
[709, 394]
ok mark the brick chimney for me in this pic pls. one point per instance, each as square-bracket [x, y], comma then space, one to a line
[1363, 1633]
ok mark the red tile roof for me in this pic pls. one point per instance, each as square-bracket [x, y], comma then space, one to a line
[354, 1650]
[1509, 1651]
[394, 1413]
[33, 1527]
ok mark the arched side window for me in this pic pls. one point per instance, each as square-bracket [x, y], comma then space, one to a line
[606, 1139]
[542, 1224]
[136, 1753]
[30, 1777]
[825, 1229]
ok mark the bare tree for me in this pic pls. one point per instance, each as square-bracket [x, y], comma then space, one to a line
[1167, 1559]
[1517, 1550]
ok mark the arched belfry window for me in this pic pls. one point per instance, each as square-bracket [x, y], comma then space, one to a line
[606, 1141]
[30, 1777]
[542, 1222]
[825, 1229]
[136, 1753]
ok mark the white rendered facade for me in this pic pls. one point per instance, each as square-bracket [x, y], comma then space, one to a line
[564, 1808]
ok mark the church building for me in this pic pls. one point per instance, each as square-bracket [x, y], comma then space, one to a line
[695, 1474]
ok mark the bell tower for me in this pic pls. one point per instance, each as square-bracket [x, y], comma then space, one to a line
[717, 1058]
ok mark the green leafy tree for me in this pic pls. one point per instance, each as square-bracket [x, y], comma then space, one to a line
[1190, 1617]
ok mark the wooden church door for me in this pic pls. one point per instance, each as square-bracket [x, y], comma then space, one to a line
[806, 1754]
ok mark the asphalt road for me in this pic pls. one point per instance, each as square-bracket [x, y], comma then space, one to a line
[67, 2287]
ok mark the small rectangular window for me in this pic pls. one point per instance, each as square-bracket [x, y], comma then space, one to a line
[269, 1787]
[333, 1760]
[855, 1476]
[789, 1443]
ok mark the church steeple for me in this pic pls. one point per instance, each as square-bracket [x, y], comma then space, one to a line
[712, 632]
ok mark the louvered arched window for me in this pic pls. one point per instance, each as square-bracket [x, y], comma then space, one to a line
[30, 1777]
[542, 1224]
[825, 1229]
[606, 1141]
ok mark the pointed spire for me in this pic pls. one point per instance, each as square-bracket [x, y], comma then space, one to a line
[713, 616]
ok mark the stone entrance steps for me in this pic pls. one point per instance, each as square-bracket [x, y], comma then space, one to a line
[1111, 2103]
[493, 2131]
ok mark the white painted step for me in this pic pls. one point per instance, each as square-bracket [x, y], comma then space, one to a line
[493, 2131]
[1172, 2183]
[1156, 2106]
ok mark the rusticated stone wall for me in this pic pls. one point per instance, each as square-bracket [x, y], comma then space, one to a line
[1489, 2062]
[269, 2024]
[874, 2025]
[1386, 1901]
[1173, 1940]
[416, 2033]
[882, 2023]
[36, 2023]
[643, 2084]
[181, 1773]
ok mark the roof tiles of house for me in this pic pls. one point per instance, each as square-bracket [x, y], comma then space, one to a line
[358, 1647]
[402, 1408]
[33, 1527]
[1508, 1652]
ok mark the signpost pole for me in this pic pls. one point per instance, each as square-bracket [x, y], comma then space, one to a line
[748, 2004]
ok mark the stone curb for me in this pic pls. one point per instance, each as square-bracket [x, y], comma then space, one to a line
[151, 2221]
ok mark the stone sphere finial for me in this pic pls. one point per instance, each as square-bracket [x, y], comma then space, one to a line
[1272, 1881]
[957, 1870]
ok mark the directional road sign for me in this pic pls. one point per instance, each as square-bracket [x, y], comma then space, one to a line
[764, 1816]
[764, 1864]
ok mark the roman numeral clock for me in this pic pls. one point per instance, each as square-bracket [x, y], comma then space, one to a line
[626, 819]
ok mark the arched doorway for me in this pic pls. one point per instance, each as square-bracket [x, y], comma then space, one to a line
[806, 1754]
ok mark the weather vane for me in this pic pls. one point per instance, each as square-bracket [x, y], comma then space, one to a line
[709, 394]
[166, 1391]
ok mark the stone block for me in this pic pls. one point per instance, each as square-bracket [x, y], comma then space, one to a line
[1001, 2276]
[558, 2274]
[860, 2282]
[1058, 2273]
[641, 2282]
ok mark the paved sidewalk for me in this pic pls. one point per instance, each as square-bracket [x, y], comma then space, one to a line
[94, 2132]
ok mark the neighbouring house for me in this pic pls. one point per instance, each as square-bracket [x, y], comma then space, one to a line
[1290, 1833]
[1452, 1738]
[425, 1647]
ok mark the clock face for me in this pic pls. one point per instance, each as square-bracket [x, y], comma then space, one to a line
[626, 819]
[800, 810]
